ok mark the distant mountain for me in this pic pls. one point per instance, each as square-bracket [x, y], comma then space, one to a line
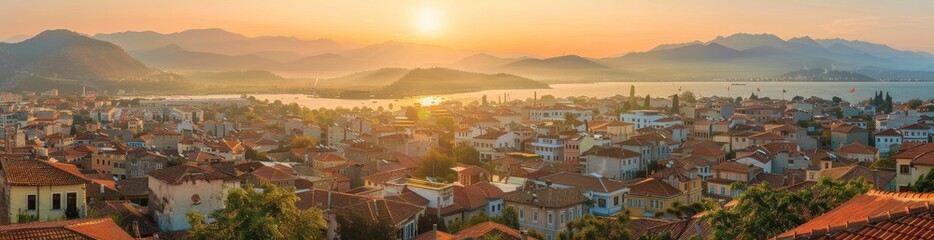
[743, 41]
[569, 68]
[426, 81]
[222, 42]
[328, 64]
[402, 54]
[483, 62]
[366, 80]
[675, 45]
[16, 38]
[254, 77]
[562, 62]
[175, 57]
[66, 54]
[819, 74]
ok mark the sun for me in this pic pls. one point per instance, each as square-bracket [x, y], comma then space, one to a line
[428, 19]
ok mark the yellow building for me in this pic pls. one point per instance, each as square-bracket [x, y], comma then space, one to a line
[40, 190]
[912, 162]
[651, 196]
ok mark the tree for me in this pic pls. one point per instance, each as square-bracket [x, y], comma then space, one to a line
[836, 99]
[303, 142]
[568, 117]
[689, 97]
[761, 212]
[361, 225]
[267, 214]
[483, 101]
[753, 96]
[675, 105]
[648, 102]
[738, 100]
[925, 183]
[632, 95]
[682, 211]
[426, 223]
[883, 163]
[914, 103]
[438, 165]
[591, 227]
[176, 161]
[466, 154]
[887, 104]
[509, 218]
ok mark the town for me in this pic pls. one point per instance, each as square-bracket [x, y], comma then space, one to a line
[94, 166]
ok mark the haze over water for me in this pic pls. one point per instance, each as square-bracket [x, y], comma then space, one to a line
[900, 91]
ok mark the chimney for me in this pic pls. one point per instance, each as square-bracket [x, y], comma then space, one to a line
[434, 228]
[135, 229]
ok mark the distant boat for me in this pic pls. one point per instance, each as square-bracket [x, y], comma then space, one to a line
[374, 101]
[738, 84]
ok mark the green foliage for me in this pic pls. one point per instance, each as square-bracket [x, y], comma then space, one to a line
[591, 227]
[884, 163]
[683, 211]
[568, 117]
[647, 104]
[267, 214]
[914, 103]
[738, 100]
[689, 97]
[177, 161]
[836, 99]
[302, 142]
[675, 104]
[761, 212]
[438, 165]
[925, 183]
[360, 225]
[425, 223]
[254, 155]
[753, 96]
[23, 217]
[655, 236]
[466, 154]
[509, 218]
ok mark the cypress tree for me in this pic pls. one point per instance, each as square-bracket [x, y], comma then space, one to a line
[647, 104]
[888, 102]
[632, 95]
[675, 104]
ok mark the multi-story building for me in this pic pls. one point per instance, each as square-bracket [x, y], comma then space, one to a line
[40, 190]
[547, 210]
[176, 191]
[888, 141]
[616, 163]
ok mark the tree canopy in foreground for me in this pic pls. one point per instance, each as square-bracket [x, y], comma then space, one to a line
[268, 213]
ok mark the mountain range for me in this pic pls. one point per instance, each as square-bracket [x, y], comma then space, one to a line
[213, 54]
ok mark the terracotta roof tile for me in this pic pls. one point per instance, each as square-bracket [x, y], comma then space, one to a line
[20, 171]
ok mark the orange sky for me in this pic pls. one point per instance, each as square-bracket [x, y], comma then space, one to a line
[594, 28]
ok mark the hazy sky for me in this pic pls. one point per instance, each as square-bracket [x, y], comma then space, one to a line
[593, 28]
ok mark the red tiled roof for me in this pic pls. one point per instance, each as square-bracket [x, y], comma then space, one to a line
[90, 228]
[875, 206]
[20, 171]
[857, 148]
[654, 187]
[618, 153]
[273, 174]
[183, 173]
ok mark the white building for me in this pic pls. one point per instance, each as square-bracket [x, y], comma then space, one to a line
[615, 163]
[177, 190]
[559, 111]
[888, 141]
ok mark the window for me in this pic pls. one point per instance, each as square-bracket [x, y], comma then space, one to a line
[31, 202]
[551, 219]
[904, 169]
[535, 217]
[601, 202]
[616, 201]
[56, 201]
[657, 204]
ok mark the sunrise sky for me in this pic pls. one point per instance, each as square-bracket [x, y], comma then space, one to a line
[593, 28]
